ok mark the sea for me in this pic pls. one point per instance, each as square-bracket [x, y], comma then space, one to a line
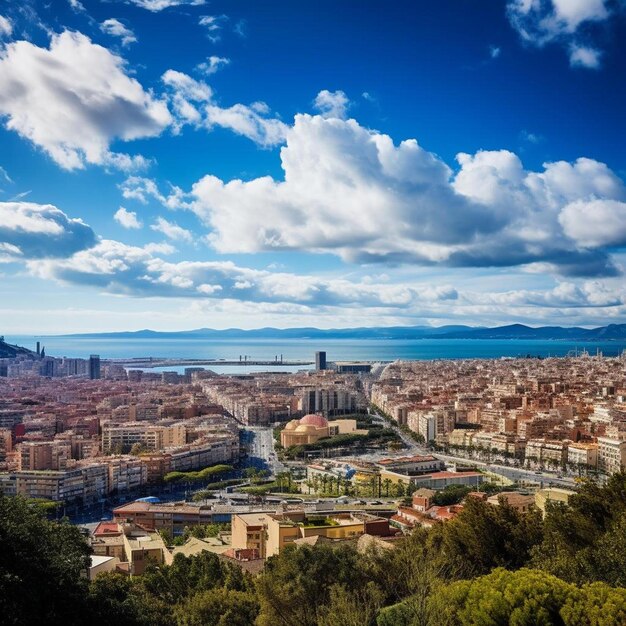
[304, 349]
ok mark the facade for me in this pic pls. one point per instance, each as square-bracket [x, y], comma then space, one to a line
[311, 428]
[269, 533]
[611, 455]
[171, 517]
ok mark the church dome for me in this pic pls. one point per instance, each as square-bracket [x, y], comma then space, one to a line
[292, 425]
[314, 420]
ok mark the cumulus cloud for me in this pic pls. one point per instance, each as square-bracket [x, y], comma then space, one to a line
[127, 219]
[120, 269]
[32, 231]
[158, 5]
[115, 28]
[213, 25]
[543, 21]
[74, 98]
[332, 103]
[584, 56]
[212, 65]
[351, 191]
[595, 223]
[172, 230]
[6, 27]
[130, 270]
[193, 103]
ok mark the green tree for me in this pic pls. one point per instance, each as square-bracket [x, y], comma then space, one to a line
[352, 608]
[218, 607]
[295, 586]
[40, 567]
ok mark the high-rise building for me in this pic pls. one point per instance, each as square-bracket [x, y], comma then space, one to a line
[320, 361]
[94, 366]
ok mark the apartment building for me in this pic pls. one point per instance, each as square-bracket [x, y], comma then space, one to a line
[611, 455]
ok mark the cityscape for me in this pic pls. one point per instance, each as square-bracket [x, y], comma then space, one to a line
[312, 313]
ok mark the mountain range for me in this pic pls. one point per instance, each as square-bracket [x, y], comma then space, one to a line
[612, 332]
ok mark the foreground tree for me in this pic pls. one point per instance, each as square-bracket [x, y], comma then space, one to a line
[40, 567]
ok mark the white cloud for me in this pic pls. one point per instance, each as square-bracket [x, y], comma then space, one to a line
[172, 230]
[117, 268]
[212, 65]
[213, 25]
[350, 191]
[332, 103]
[128, 219]
[5, 175]
[77, 6]
[249, 121]
[595, 223]
[41, 230]
[6, 27]
[543, 21]
[73, 99]
[158, 5]
[583, 56]
[192, 102]
[494, 52]
[115, 28]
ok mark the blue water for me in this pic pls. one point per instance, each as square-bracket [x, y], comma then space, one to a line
[304, 349]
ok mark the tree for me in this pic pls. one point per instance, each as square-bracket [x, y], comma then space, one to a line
[295, 586]
[43, 559]
[352, 608]
[386, 484]
[528, 598]
[484, 536]
[218, 607]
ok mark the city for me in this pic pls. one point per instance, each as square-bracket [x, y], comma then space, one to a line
[312, 313]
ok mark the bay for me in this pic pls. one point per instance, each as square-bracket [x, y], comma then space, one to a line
[304, 349]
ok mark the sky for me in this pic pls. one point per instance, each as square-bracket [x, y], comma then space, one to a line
[176, 164]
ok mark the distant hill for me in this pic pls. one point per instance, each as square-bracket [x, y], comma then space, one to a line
[612, 332]
[9, 351]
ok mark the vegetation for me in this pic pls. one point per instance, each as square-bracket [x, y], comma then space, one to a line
[376, 436]
[205, 474]
[490, 565]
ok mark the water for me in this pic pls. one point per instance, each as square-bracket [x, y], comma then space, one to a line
[304, 349]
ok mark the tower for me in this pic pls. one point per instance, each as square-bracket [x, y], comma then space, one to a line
[320, 361]
[94, 367]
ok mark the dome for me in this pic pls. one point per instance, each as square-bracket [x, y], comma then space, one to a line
[291, 425]
[314, 420]
[306, 428]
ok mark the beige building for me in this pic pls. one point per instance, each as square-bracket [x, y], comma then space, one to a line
[269, 533]
[611, 455]
[553, 494]
[311, 428]
[153, 437]
[583, 454]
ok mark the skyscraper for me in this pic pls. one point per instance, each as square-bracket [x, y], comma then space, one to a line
[320, 361]
[94, 366]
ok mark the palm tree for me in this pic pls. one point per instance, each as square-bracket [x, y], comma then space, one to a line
[387, 483]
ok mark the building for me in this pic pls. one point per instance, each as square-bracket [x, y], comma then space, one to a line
[435, 480]
[311, 428]
[94, 367]
[154, 437]
[320, 361]
[519, 501]
[611, 455]
[352, 367]
[553, 494]
[582, 455]
[173, 517]
[269, 533]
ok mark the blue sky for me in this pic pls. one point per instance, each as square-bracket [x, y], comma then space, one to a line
[177, 163]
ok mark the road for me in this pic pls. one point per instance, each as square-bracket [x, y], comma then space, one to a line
[512, 473]
[259, 442]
